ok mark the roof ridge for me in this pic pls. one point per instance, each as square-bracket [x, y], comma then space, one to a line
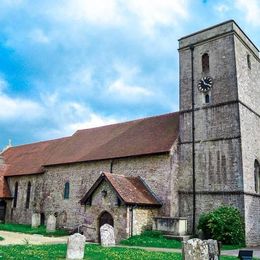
[38, 142]
[129, 121]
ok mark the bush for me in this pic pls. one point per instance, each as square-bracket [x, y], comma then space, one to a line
[224, 224]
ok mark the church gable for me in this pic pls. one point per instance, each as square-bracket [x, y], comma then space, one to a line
[121, 189]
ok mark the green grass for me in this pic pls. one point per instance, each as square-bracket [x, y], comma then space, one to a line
[151, 239]
[1, 239]
[94, 252]
[29, 230]
[156, 239]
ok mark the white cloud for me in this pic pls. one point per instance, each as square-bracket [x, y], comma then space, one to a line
[18, 109]
[119, 89]
[251, 9]
[94, 11]
[93, 120]
[147, 13]
[158, 12]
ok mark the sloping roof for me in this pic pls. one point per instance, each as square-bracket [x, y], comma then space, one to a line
[131, 190]
[29, 159]
[139, 137]
[4, 187]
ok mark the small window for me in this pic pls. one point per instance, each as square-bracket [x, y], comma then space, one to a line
[205, 63]
[207, 98]
[15, 195]
[248, 58]
[67, 190]
[28, 195]
[118, 202]
[257, 176]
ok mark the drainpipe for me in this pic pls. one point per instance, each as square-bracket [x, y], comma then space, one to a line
[111, 166]
[193, 143]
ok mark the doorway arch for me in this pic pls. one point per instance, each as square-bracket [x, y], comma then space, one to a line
[104, 218]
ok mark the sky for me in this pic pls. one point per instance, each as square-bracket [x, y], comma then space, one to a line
[68, 65]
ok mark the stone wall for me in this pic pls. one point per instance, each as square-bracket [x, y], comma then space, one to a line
[143, 219]
[158, 171]
[249, 94]
[218, 158]
[21, 214]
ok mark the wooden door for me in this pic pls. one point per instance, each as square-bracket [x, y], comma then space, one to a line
[105, 218]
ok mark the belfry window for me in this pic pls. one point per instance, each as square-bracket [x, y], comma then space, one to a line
[248, 58]
[205, 62]
[257, 176]
[67, 190]
[15, 195]
[28, 195]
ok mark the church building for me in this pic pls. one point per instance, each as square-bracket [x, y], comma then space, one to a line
[159, 172]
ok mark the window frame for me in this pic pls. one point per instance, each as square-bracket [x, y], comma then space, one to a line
[66, 194]
[16, 189]
[28, 195]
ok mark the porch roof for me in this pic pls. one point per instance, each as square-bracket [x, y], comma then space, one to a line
[131, 190]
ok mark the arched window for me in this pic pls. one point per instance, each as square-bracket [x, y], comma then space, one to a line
[15, 195]
[28, 195]
[207, 98]
[205, 62]
[248, 58]
[257, 176]
[67, 190]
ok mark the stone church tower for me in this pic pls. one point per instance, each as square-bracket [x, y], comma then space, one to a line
[220, 124]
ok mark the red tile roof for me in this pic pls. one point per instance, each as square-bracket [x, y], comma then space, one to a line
[29, 158]
[139, 137]
[131, 190]
[4, 187]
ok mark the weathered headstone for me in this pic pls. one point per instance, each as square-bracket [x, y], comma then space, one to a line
[195, 249]
[213, 249]
[36, 220]
[75, 246]
[107, 235]
[51, 223]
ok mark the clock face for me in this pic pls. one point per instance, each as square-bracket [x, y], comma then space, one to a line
[205, 84]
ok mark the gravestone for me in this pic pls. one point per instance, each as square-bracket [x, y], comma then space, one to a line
[51, 223]
[107, 235]
[213, 249]
[75, 246]
[36, 220]
[195, 249]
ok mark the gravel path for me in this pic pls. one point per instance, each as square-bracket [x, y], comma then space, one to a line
[13, 238]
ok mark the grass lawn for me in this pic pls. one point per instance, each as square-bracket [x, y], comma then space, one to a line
[151, 239]
[156, 239]
[94, 252]
[29, 230]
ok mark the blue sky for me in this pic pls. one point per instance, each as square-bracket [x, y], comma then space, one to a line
[67, 65]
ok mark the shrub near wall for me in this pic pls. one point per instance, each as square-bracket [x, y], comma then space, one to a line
[224, 224]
